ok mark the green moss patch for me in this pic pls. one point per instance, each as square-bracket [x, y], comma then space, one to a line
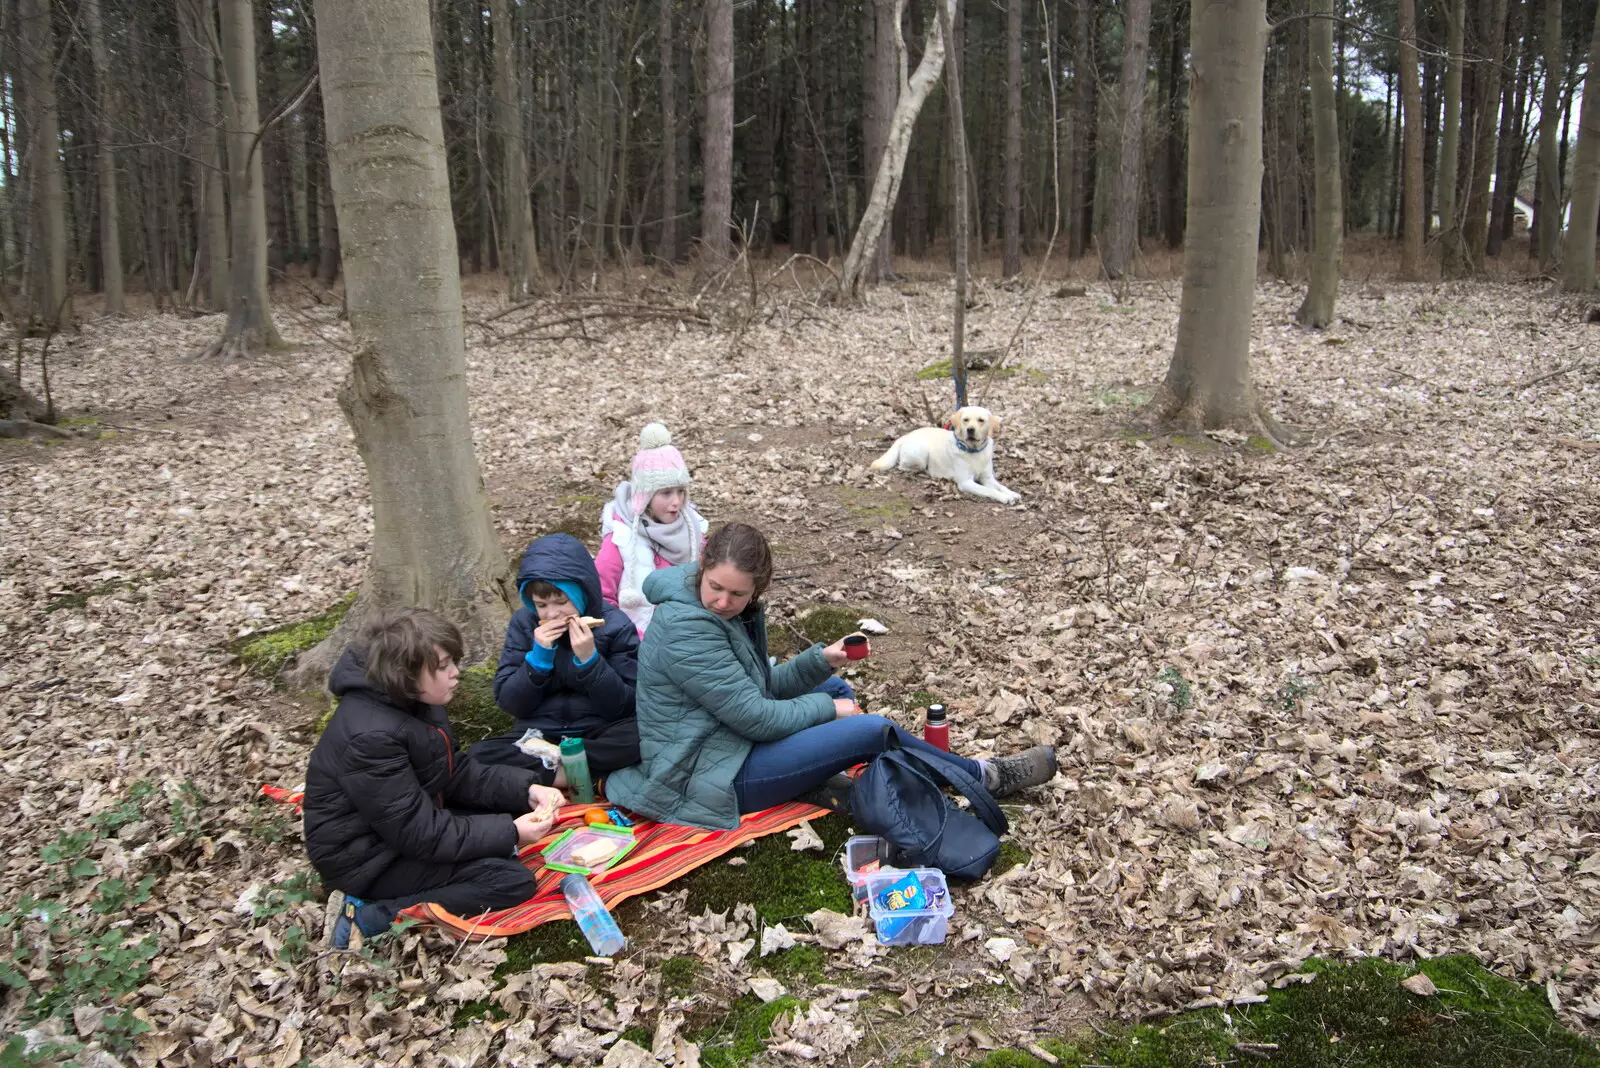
[1354, 1013]
[472, 711]
[868, 504]
[781, 883]
[945, 368]
[741, 1036]
[828, 623]
[1011, 854]
[799, 963]
[266, 652]
[679, 974]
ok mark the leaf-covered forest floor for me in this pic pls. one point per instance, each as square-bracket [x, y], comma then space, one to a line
[1329, 702]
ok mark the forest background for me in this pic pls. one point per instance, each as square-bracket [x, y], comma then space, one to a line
[1322, 701]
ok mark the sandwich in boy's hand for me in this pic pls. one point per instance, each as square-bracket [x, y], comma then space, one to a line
[591, 622]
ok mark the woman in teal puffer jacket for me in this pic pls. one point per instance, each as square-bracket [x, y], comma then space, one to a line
[721, 731]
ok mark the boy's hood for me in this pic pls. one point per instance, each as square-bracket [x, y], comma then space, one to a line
[562, 558]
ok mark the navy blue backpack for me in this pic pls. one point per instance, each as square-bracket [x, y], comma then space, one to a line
[900, 797]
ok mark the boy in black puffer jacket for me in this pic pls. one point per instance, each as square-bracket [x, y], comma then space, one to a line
[386, 774]
[558, 675]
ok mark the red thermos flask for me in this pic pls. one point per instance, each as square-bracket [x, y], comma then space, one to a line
[936, 731]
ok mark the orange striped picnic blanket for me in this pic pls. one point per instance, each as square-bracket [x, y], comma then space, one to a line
[665, 851]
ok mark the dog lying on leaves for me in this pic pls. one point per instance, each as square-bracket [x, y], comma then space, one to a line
[964, 454]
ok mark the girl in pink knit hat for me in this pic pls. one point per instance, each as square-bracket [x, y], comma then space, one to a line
[648, 524]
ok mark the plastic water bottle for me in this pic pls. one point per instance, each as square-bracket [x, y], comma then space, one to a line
[604, 936]
[576, 763]
[936, 730]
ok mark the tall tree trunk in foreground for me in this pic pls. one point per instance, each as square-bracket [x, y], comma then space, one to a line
[891, 168]
[1121, 242]
[1208, 383]
[1411, 138]
[433, 541]
[1011, 255]
[1547, 212]
[1328, 237]
[1452, 250]
[106, 162]
[195, 19]
[717, 142]
[250, 327]
[1475, 231]
[1577, 257]
[46, 194]
[517, 246]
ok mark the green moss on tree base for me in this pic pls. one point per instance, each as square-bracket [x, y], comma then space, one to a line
[266, 652]
[472, 711]
[1353, 1013]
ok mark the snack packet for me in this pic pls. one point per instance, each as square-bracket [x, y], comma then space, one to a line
[533, 743]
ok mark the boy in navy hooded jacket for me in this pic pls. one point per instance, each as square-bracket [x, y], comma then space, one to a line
[558, 675]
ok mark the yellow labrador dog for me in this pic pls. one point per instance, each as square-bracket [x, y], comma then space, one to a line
[964, 455]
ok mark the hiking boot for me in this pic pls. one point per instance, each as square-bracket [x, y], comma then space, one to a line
[342, 907]
[1031, 767]
[833, 795]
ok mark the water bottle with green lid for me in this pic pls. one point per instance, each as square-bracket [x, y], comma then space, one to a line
[576, 763]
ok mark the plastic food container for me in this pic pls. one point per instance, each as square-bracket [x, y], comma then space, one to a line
[913, 925]
[588, 850]
[860, 852]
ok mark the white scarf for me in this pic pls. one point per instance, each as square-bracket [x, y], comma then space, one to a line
[639, 539]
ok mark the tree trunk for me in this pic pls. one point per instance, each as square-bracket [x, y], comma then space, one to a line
[1174, 160]
[1546, 230]
[1412, 210]
[948, 10]
[891, 168]
[47, 195]
[1208, 383]
[762, 134]
[717, 142]
[1508, 153]
[106, 163]
[250, 328]
[1452, 250]
[198, 42]
[1085, 92]
[1328, 238]
[1577, 258]
[880, 82]
[433, 541]
[1011, 254]
[1475, 232]
[270, 145]
[667, 242]
[517, 250]
[1121, 243]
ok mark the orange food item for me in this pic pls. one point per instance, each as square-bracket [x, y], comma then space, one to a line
[593, 816]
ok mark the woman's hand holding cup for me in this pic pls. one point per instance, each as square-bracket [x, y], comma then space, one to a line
[850, 647]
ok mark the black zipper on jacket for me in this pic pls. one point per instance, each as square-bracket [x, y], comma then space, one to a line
[449, 761]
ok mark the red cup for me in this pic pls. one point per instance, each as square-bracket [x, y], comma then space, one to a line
[855, 647]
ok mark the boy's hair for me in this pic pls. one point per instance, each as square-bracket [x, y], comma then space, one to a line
[400, 642]
[745, 548]
[543, 590]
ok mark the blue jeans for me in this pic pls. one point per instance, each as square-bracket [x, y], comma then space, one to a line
[780, 771]
[837, 688]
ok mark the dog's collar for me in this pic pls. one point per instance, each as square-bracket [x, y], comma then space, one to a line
[964, 447]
